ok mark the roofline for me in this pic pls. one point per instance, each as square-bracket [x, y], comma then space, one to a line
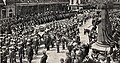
[32, 4]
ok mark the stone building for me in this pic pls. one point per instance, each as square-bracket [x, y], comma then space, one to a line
[21, 7]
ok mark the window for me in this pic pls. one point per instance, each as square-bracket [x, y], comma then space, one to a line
[10, 13]
[72, 2]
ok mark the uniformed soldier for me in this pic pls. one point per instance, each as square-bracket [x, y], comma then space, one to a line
[44, 57]
[63, 42]
[12, 55]
[29, 53]
[58, 44]
[4, 55]
[47, 41]
[69, 46]
[36, 43]
[21, 51]
[68, 58]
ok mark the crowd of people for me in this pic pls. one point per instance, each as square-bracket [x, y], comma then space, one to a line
[20, 37]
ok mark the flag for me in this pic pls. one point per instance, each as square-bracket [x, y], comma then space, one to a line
[4, 1]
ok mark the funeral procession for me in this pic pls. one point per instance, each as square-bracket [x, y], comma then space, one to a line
[59, 31]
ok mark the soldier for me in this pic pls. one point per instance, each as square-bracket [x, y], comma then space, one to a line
[68, 59]
[69, 46]
[47, 41]
[58, 44]
[44, 57]
[29, 53]
[4, 56]
[12, 55]
[21, 52]
[36, 43]
[63, 42]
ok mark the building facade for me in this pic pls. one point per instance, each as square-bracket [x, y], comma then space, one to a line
[76, 5]
[21, 7]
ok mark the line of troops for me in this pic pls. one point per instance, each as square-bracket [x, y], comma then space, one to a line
[34, 19]
[59, 33]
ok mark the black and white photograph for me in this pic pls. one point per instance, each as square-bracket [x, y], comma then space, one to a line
[59, 31]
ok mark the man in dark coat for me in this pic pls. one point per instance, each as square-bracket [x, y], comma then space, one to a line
[44, 57]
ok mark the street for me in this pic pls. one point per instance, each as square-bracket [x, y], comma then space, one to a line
[53, 56]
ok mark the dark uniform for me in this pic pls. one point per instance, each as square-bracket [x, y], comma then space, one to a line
[4, 57]
[44, 58]
[21, 53]
[30, 53]
[13, 56]
[58, 44]
[63, 42]
[68, 59]
[36, 43]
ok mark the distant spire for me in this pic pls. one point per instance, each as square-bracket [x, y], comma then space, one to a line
[4, 1]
